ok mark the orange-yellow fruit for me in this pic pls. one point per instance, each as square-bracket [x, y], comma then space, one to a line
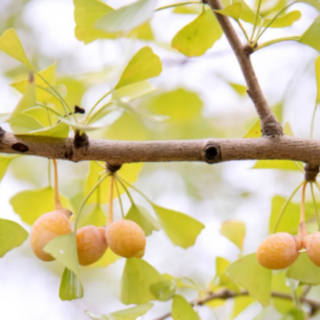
[91, 244]
[126, 239]
[46, 228]
[312, 245]
[278, 251]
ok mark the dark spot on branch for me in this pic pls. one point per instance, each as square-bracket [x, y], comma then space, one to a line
[113, 167]
[212, 153]
[247, 50]
[81, 140]
[2, 133]
[77, 109]
[311, 172]
[20, 147]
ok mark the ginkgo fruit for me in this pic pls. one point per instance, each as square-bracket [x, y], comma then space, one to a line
[46, 228]
[91, 244]
[278, 251]
[312, 245]
[126, 239]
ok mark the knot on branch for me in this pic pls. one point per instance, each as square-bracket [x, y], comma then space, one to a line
[311, 172]
[20, 147]
[113, 167]
[81, 140]
[78, 109]
[272, 129]
[212, 153]
[248, 50]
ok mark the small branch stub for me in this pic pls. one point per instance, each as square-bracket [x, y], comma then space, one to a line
[113, 167]
[311, 172]
[81, 140]
[20, 147]
[212, 153]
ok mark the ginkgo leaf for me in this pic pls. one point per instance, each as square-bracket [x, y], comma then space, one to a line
[96, 217]
[11, 45]
[197, 37]
[311, 35]
[247, 14]
[239, 88]
[4, 117]
[128, 17]
[235, 231]
[304, 270]
[142, 32]
[284, 21]
[126, 314]
[134, 91]
[11, 235]
[254, 131]
[5, 160]
[276, 164]
[221, 265]
[143, 65]
[317, 67]
[178, 105]
[64, 249]
[181, 309]
[41, 96]
[23, 203]
[70, 286]
[130, 172]
[164, 290]
[60, 130]
[172, 221]
[233, 11]
[138, 276]
[248, 273]
[240, 304]
[143, 218]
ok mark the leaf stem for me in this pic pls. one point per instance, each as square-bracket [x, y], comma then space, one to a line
[86, 199]
[125, 188]
[243, 30]
[313, 119]
[285, 206]
[110, 212]
[49, 173]
[302, 224]
[57, 201]
[177, 5]
[119, 197]
[269, 43]
[256, 20]
[315, 205]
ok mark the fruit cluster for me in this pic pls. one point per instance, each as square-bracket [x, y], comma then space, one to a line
[124, 237]
[280, 250]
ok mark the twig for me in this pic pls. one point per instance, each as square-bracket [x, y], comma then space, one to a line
[227, 294]
[269, 123]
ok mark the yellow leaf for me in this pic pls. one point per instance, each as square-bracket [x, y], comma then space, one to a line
[235, 231]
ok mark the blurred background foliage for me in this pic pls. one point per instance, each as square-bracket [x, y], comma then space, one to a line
[203, 97]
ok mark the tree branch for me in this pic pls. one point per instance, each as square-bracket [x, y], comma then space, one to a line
[209, 151]
[269, 123]
[227, 294]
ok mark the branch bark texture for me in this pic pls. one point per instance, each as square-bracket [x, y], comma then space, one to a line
[227, 294]
[209, 151]
[269, 123]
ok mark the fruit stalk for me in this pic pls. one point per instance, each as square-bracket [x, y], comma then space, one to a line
[302, 224]
[57, 201]
[110, 212]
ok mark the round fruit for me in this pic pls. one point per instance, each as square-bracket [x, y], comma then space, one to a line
[278, 251]
[312, 245]
[91, 244]
[46, 228]
[126, 239]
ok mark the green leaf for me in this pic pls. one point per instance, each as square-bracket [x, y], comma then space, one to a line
[248, 273]
[138, 276]
[142, 32]
[189, 9]
[233, 11]
[126, 314]
[235, 231]
[86, 14]
[129, 172]
[247, 14]
[143, 218]
[4, 117]
[12, 235]
[239, 88]
[284, 21]
[254, 131]
[108, 258]
[181, 229]
[197, 37]
[11, 45]
[60, 130]
[295, 314]
[64, 249]
[144, 65]
[23, 203]
[128, 17]
[134, 91]
[311, 35]
[317, 65]
[4, 164]
[164, 290]
[221, 266]
[240, 304]
[70, 286]
[276, 164]
[97, 218]
[181, 309]
[179, 105]
[304, 270]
